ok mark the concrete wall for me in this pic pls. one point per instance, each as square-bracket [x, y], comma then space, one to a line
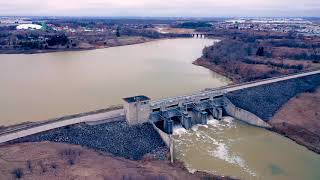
[137, 112]
[48, 126]
[244, 115]
[167, 139]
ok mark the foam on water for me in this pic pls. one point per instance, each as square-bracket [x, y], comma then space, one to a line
[228, 119]
[195, 128]
[179, 130]
[213, 122]
[217, 147]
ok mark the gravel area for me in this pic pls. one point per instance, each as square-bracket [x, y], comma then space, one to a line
[266, 100]
[118, 138]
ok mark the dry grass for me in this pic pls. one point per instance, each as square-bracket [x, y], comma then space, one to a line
[45, 160]
[299, 119]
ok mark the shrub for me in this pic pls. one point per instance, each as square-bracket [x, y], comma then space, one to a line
[17, 173]
[29, 166]
[54, 166]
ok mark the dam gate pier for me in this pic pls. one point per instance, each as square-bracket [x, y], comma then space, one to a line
[165, 113]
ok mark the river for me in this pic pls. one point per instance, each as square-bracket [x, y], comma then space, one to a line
[232, 148]
[41, 86]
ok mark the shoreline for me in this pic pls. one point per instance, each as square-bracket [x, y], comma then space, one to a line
[204, 63]
[63, 161]
[300, 135]
[298, 120]
[118, 146]
[44, 51]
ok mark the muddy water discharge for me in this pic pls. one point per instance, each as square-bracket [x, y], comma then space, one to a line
[232, 148]
[41, 86]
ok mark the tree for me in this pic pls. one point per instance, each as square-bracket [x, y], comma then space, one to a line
[260, 51]
[118, 32]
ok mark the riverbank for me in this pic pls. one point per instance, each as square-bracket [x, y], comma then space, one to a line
[290, 107]
[47, 160]
[119, 139]
[75, 148]
[217, 69]
[122, 41]
[266, 100]
[247, 56]
[299, 120]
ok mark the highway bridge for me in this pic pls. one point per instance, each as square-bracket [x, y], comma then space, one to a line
[186, 109]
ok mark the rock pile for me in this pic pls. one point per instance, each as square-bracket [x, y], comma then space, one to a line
[266, 100]
[118, 138]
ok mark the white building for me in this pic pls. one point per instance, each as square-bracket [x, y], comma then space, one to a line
[29, 26]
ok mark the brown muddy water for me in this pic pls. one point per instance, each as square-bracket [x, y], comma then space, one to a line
[232, 148]
[41, 86]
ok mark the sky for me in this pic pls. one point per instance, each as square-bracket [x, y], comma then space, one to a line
[162, 8]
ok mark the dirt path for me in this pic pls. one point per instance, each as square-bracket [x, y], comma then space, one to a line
[299, 119]
[47, 160]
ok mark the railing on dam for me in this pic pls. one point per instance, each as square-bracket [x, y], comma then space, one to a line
[212, 92]
[276, 79]
[186, 98]
[94, 116]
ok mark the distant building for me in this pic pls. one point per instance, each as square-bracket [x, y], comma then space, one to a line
[29, 26]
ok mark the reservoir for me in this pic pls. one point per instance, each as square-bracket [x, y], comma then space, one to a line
[42, 86]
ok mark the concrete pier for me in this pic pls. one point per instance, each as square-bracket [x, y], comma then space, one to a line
[219, 110]
[204, 118]
[186, 120]
[168, 126]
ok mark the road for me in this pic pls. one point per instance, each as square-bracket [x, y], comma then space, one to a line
[268, 81]
[8, 136]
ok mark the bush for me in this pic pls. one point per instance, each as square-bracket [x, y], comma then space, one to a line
[58, 40]
[54, 166]
[17, 173]
[29, 166]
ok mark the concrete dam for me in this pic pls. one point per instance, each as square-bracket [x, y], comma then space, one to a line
[186, 110]
[195, 108]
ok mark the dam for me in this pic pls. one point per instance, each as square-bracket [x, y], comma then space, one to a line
[204, 119]
[188, 110]
[195, 108]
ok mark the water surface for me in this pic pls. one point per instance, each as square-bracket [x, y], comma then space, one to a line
[232, 148]
[41, 86]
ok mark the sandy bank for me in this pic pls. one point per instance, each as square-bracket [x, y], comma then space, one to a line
[46, 160]
[299, 120]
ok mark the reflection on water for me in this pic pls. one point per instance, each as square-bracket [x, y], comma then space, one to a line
[229, 147]
[41, 86]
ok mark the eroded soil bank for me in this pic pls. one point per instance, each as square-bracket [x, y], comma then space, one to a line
[299, 119]
[47, 160]
[291, 107]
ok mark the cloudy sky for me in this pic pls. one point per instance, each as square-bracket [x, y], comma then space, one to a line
[164, 8]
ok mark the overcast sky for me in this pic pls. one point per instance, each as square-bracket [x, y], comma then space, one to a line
[164, 8]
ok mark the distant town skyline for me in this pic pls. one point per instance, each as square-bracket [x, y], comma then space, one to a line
[162, 8]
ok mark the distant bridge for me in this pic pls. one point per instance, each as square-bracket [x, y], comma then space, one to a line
[201, 34]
